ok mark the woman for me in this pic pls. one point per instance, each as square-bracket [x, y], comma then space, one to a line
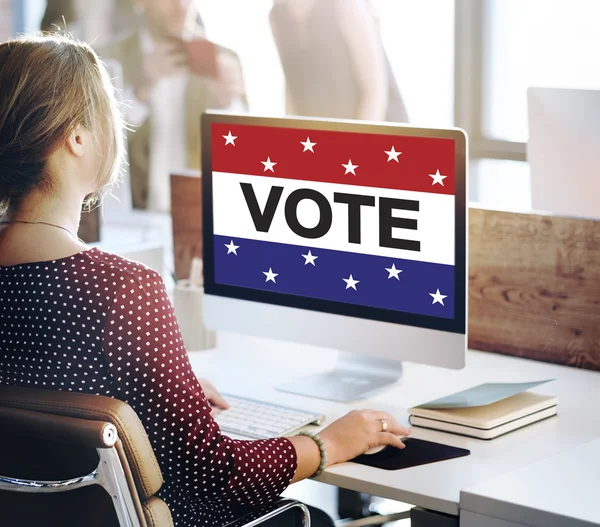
[79, 319]
[334, 62]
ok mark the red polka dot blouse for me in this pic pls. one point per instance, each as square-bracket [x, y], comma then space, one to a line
[98, 323]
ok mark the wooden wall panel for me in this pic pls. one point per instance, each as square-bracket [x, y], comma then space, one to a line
[534, 287]
[186, 211]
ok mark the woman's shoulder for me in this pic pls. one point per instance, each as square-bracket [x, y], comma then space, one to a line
[128, 284]
[119, 267]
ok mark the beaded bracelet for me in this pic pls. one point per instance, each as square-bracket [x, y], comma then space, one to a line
[322, 450]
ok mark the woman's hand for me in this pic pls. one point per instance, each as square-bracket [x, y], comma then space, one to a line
[213, 396]
[359, 431]
[168, 58]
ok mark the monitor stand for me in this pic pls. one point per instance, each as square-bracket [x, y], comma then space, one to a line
[354, 377]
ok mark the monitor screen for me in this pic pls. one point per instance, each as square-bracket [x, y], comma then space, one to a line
[354, 219]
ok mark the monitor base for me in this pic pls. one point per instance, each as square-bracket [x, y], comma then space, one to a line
[353, 378]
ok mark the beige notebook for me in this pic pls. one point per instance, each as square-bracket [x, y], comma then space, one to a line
[490, 420]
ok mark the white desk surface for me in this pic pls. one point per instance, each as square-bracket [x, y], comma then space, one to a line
[253, 367]
[560, 490]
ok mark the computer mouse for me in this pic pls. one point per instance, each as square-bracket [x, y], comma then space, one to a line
[374, 450]
[377, 449]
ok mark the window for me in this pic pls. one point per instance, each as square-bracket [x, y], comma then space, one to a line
[505, 46]
[419, 40]
[244, 27]
[502, 48]
[32, 12]
[536, 43]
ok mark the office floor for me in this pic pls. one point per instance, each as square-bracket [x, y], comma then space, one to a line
[325, 497]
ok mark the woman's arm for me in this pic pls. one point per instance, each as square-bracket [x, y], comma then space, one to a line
[308, 456]
[362, 38]
[152, 373]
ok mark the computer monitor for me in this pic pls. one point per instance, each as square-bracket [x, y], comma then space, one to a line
[338, 234]
[563, 151]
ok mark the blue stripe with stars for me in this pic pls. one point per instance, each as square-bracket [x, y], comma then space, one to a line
[409, 286]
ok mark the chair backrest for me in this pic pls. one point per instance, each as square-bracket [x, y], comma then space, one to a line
[62, 432]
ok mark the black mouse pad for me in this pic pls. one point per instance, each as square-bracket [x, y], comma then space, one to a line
[417, 452]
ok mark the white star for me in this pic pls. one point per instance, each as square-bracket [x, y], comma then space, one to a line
[393, 272]
[351, 283]
[437, 297]
[310, 258]
[230, 139]
[437, 178]
[268, 165]
[392, 154]
[308, 145]
[232, 248]
[349, 167]
[270, 275]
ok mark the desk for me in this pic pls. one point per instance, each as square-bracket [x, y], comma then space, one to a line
[553, 492]
[252, 367]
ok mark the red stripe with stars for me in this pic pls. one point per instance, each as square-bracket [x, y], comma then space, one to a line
[419, 164]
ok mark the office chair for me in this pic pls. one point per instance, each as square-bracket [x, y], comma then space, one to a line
[356, 510]
[80, 459]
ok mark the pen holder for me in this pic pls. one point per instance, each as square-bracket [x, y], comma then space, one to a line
[189, 310]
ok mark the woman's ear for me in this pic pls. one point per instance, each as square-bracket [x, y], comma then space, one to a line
[75, 141]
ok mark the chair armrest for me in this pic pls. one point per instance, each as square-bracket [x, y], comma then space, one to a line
[80, 432]
[271, 511]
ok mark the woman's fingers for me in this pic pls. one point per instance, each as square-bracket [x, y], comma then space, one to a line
[392, 425]
[392, 440]
[212, 395]
[218, 400]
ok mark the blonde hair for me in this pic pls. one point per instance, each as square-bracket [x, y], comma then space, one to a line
[49, 85]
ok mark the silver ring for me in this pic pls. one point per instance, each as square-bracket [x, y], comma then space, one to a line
[383, 425]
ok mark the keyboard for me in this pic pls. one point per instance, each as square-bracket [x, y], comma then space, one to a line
[259, 420]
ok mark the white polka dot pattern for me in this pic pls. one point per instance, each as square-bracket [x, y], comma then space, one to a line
[98, 323]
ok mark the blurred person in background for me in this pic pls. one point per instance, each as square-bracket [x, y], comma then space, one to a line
[89, 21]
[59, 15]
[167, 87]
[334, 62]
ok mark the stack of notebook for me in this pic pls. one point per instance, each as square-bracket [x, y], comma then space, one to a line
[486, 411]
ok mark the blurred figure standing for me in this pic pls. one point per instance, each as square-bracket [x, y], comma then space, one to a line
[88, 21]
[166, 95]
[334, 62]
[59, 15]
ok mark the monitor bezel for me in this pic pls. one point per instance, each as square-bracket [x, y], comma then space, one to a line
[455, 325]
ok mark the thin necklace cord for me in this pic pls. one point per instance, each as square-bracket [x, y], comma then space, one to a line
[39, 223]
